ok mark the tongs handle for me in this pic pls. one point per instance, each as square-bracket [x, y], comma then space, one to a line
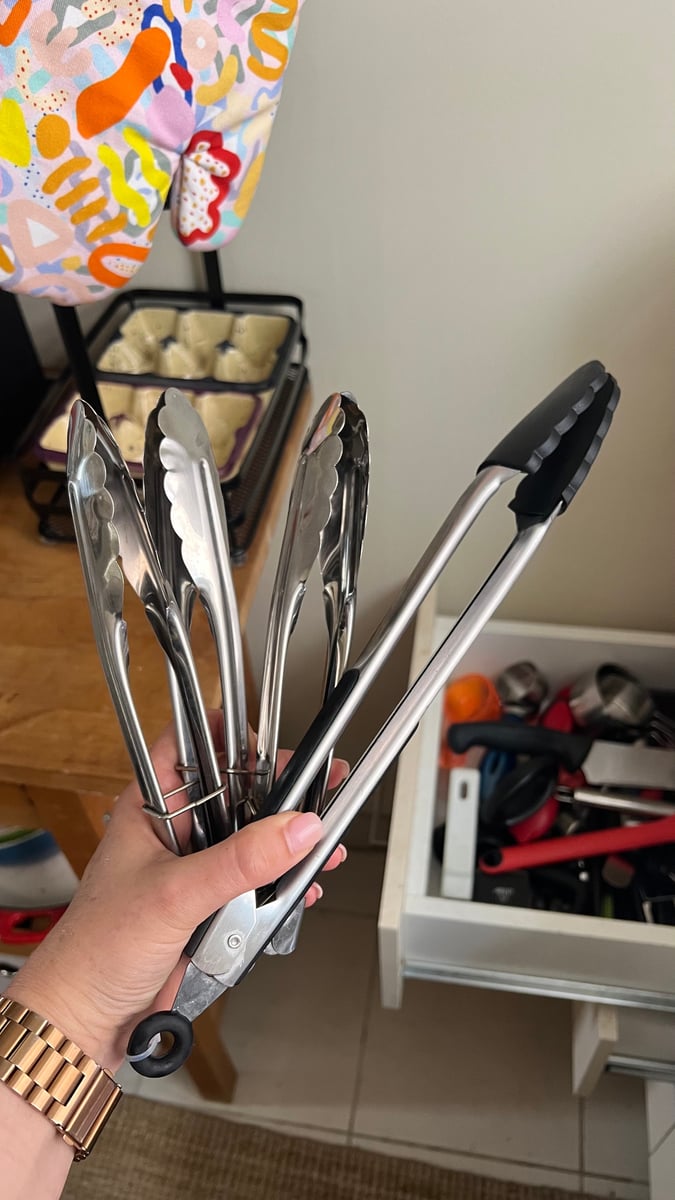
[556, 444]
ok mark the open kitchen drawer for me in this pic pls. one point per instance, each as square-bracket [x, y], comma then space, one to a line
[425, 936]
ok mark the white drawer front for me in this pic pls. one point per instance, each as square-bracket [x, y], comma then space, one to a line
[626, 1041]
[423, 935]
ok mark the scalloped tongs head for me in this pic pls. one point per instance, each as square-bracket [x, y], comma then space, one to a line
[93, 511]
[315, 482]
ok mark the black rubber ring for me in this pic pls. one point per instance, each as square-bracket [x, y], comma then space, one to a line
[154, 1065]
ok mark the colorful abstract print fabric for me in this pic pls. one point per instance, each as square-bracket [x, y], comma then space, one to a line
[106, 103]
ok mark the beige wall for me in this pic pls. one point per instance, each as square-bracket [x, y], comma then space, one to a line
[474, 197]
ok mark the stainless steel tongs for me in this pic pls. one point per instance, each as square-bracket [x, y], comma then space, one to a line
[552, 449]
[110, 525]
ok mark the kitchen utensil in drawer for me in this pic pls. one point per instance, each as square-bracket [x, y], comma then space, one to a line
[608, 695]
[469, 698]
[461, 829]
[579, 845]
[522, 949]
[524, 801]
[616, 802]
[522, 689]
[558, 714]
[611, 697]
[611, 763]
[26, 926]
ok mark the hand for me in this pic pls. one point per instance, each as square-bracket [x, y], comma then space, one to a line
[117, 953]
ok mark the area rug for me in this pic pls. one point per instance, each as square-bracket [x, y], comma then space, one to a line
[155, 1151]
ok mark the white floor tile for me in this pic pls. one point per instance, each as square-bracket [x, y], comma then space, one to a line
[474, 1072]
[614, 1189]
[615, 1129]
[294, 1030]
[492, 1168]
[294, 1026]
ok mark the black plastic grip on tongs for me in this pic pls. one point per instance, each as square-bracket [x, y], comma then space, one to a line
[556, 444]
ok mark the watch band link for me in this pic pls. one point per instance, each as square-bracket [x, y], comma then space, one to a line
[53, 1075]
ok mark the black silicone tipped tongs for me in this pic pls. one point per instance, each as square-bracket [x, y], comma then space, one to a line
[553, 448]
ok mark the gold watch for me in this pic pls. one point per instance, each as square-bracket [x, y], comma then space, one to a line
[51, 1073]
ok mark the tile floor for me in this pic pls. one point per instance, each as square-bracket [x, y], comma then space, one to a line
[473, 1080]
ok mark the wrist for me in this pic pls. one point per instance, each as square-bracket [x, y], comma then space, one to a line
[67, 1011]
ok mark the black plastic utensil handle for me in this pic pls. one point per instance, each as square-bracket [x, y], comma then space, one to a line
[556, 445]
[570, 749]
[154, 1066]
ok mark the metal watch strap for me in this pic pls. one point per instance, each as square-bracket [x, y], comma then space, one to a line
[52, 1074]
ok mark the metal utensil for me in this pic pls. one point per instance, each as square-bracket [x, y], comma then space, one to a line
[168, 548]
[98, 543]
[554, 447]
[340, 547]
[145, 573]
[197, 514]
[633, 806]
[309, 511]
[522, 688]
[610, 696]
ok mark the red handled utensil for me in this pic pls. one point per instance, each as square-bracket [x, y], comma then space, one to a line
[579, 845]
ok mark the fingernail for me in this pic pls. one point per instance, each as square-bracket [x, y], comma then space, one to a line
[303, 832]
[318, 890]
[343, 850]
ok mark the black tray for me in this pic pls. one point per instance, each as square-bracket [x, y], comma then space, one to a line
[244, 494]
[122, 307]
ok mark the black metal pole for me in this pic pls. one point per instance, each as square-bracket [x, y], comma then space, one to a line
[78, 356]
[214, 279]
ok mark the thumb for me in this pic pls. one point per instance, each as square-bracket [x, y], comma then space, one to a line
[250, 858]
